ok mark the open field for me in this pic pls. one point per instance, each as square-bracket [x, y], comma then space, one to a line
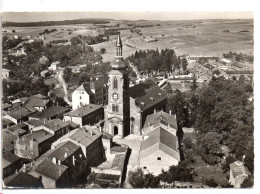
[196, 37]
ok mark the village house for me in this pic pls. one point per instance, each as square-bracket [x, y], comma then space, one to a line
[86, 115]
[34, 144]
[22, 180]
[94, 92]
[5, 73]
[57, 127]
[161, 119]
[7, 123]
[53, 66]
[18, 130]
[248, 74]
[159, 150]
[20, 115]
[89, 139]
[238, 173]
[10, 163]
[70, 158]
[54, 112]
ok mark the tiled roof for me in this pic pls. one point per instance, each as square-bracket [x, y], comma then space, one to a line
[35, 102]
[18, 129]
[6, 121]
[10, 157]
[147, 94]
[84, 137]
[56, 124]
[118, 162]
[161, 117]
[160, 139]
[51, 170]
[99, 83]
[83, 111]
[8, 139]
[38, 96]
[63, 152]
[239, 72]
[35, 123]
[238, 168]
[20, 113]
[37, 136]
[50, 112]
[21, 180]
[5, 106]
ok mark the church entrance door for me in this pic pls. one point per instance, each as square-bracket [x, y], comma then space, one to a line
[115, 130]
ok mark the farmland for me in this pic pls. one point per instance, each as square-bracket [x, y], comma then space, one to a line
[196, 37]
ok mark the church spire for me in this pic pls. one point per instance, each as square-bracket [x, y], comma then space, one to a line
[119, 47]
[119, 63]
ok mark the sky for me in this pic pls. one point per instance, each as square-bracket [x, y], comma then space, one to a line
[50, 16]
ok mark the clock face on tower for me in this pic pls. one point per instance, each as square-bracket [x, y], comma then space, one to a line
[115, 96]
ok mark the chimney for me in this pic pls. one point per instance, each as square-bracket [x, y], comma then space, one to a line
[91, 132]
[54, 160]
[170, 112]
[100, 129]
[59, 162]
[154, 111]
[65, 155]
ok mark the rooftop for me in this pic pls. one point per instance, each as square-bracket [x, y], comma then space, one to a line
[147, 94]
[20, 113]
[160, 139]
[63, 152]
[21, 180]
[8, 140]
[83, 111]
[37, 136]
[93, 85]
[37, 102]
[238, 168]
[50, 112]
[56, 124]
[51, 170]
[161, 117]
[84, 137]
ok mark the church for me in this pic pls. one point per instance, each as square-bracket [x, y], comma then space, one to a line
[127, 108]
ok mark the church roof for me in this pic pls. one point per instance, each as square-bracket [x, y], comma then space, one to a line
[147, 94]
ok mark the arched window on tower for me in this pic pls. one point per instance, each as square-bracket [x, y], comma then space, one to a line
[115, 83]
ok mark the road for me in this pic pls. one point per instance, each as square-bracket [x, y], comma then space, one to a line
[59, 75]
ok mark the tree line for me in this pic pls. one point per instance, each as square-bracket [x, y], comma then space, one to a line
[154, 60]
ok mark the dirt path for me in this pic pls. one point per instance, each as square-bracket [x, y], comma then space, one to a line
[64, 85]
[135, 69]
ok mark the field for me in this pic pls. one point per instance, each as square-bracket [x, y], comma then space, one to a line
[193, 38]
[196, 37]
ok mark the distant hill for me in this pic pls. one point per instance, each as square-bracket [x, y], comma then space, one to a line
[55, 23]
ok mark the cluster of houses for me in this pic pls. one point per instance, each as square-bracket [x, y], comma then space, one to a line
[51, 146]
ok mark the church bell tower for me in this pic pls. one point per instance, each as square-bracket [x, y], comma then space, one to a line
[117, 112]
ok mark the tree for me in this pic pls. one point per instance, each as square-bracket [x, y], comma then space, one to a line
[177, 173]
[140, 180]
[209, 147]
[75, 40]
[102, 50]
